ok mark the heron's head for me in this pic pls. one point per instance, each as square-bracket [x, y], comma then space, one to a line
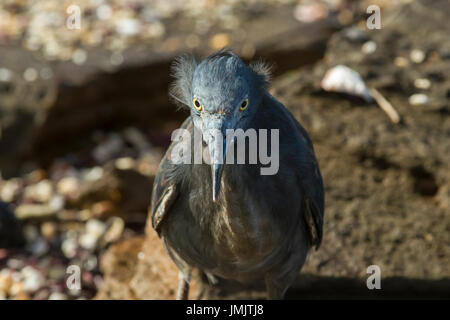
[222, 93]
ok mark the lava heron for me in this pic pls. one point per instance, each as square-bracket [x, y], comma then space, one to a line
[226, 218]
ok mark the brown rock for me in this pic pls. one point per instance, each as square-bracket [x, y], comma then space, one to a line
[139, 268]
[117, 192]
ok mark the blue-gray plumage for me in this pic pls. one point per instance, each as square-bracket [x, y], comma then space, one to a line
[228, 219]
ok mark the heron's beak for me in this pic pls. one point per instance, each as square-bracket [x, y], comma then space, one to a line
[216, 179]
[217, 149]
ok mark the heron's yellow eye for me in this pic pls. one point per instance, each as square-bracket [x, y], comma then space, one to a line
[244, 105]
[197, 105]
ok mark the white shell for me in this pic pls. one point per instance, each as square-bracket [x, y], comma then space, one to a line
[345, 80]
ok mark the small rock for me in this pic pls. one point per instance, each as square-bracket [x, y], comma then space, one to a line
[401, 62]
[40, 192]
[88, 241]
[95, 227]
[30, 74]
[68, 186]
[93, 174]
[103, 209]
[57, 202]
[355, 34]
[422, 83]
[308, 13]
[369, 47]
[57, 296]
[69, 247]
[79, 56]
[6, 282]
[128, 26]
[418, 99]
[219, 41]
[39, 247]
[16, 288]
[345, 80]
[10, 190]
[34, 211]
[32, 279]
[125, 163]
[31, 233]
[104, 12]
[15, 264]
[417, 56]
[90, 263]
[49, 230]
[114, 231]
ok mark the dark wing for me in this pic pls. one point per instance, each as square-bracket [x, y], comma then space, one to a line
[166, 185]
[312, 187]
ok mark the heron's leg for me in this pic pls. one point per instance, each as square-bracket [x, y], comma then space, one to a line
[275, 290]
[183, 286]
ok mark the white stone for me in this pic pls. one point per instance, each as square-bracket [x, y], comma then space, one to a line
[418, 99]
[345, 80]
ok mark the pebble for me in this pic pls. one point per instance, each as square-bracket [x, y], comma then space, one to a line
[345, 80]
[114, 231]
[95, 227]
[125, 163]
[219, 41]
[128, 26]
[57, 296]
[5, 75]
[90, 263]
[422, 83]
[15, 264]
[30, 74]
[57, 202]
[69, 247]
[401, 62]
[68, 186]
[88, 241]
[31, 233]
[49, 230]
[16, 287]
[46, 73]
[39, 247]
[308, 13]
[34, 211]
[103, 209]
[93, 174]
[32, 279]
[417, 56]
[355, 34]
[418, 99]
[6, 282]
[40, 192]
[104, 12]
[116, 58]
[369, 47]
[10, 190]
[79, 56]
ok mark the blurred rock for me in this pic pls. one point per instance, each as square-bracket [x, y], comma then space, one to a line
[35, 212]
[138, 269]
[11, 233]
[32, 279]
[116, 192]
